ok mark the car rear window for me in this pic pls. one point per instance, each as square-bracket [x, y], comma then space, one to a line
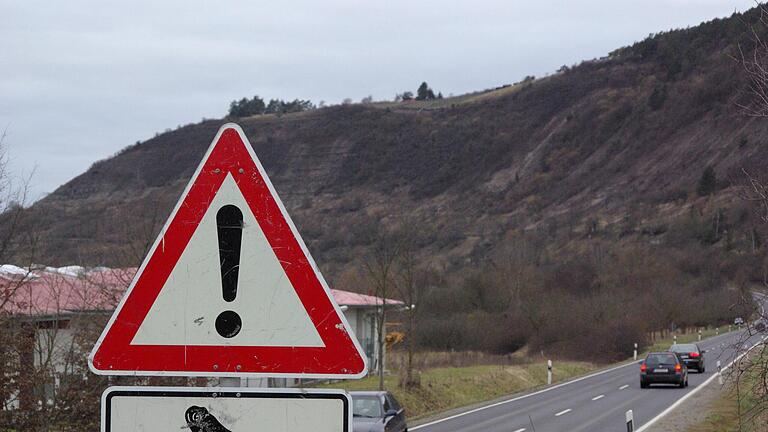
[684, 348]
[654, 359]
[366, 406]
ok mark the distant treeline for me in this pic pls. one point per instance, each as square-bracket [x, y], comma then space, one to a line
[255, 106]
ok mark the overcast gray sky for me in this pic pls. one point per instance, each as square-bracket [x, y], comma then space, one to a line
[81, 80]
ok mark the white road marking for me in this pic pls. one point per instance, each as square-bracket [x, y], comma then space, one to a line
[563, 412]
[624, 386]
[515, 399]
[598, 397]
[519, 430]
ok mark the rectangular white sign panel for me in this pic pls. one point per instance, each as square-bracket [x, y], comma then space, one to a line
[207, 409]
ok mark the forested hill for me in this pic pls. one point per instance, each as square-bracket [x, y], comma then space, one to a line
[614, 147]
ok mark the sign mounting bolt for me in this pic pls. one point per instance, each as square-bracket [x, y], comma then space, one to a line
[241, 170]
[215, 367]
[238, 367]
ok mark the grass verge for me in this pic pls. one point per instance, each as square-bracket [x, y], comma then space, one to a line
[452, 387]
[664, 344]
[736, 411]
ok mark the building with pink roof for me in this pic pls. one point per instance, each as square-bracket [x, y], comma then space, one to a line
[55, 298]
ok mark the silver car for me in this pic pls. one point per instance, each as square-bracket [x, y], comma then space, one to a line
[377, 411]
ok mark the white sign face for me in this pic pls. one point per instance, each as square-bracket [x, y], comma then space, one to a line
[166, 409]
[272, 312]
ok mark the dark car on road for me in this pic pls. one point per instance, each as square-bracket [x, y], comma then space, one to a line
[663, 368]
[377, 411]
[691, 355]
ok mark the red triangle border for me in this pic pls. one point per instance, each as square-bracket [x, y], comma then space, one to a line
[230, 153]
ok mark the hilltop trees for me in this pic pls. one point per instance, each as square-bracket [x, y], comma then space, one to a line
[256, 106]
[247, 107]
[424, 92]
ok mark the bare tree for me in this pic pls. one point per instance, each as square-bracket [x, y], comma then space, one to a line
[14, 339]
[411, 280]
[750, 373]
[754, 62]
[379, 266]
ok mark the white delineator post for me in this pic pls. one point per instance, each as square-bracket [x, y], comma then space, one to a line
[630, 421]
[674, 340]
[729, 328]
[634, 353]
[699, 335]
[717, 331]
[549, 372]
[719, 373]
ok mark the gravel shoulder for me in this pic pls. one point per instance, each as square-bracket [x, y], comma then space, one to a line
[693, 411]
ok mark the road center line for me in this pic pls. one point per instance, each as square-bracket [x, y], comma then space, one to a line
[598, 397]
[563, 412]
[519, 430]
[624, 386]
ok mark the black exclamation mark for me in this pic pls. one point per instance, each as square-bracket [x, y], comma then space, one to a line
[229, 225]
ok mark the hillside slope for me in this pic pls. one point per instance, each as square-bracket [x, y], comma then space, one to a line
[586, 149]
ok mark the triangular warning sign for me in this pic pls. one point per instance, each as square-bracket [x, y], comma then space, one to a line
[229, 287]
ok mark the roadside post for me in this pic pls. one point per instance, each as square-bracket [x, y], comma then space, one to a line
[549, 372]
[674, 339]
[717, 331]
[228, 291]
[729, 328]
[699, 335]
[630, 421]
[634, 353]
[719, 373]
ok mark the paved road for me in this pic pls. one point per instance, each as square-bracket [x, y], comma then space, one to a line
[594, 403]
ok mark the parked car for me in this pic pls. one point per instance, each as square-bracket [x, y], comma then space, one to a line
[377, 411]
[691, 355]
[738, 321]
[663, 368]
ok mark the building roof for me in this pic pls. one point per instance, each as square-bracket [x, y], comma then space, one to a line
[347, 298]
[47, 291]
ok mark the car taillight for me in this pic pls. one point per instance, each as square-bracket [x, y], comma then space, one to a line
[693, 354]
[678, 368]
[643, 367]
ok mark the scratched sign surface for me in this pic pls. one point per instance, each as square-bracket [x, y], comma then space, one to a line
[229, 287]
[136, 409]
